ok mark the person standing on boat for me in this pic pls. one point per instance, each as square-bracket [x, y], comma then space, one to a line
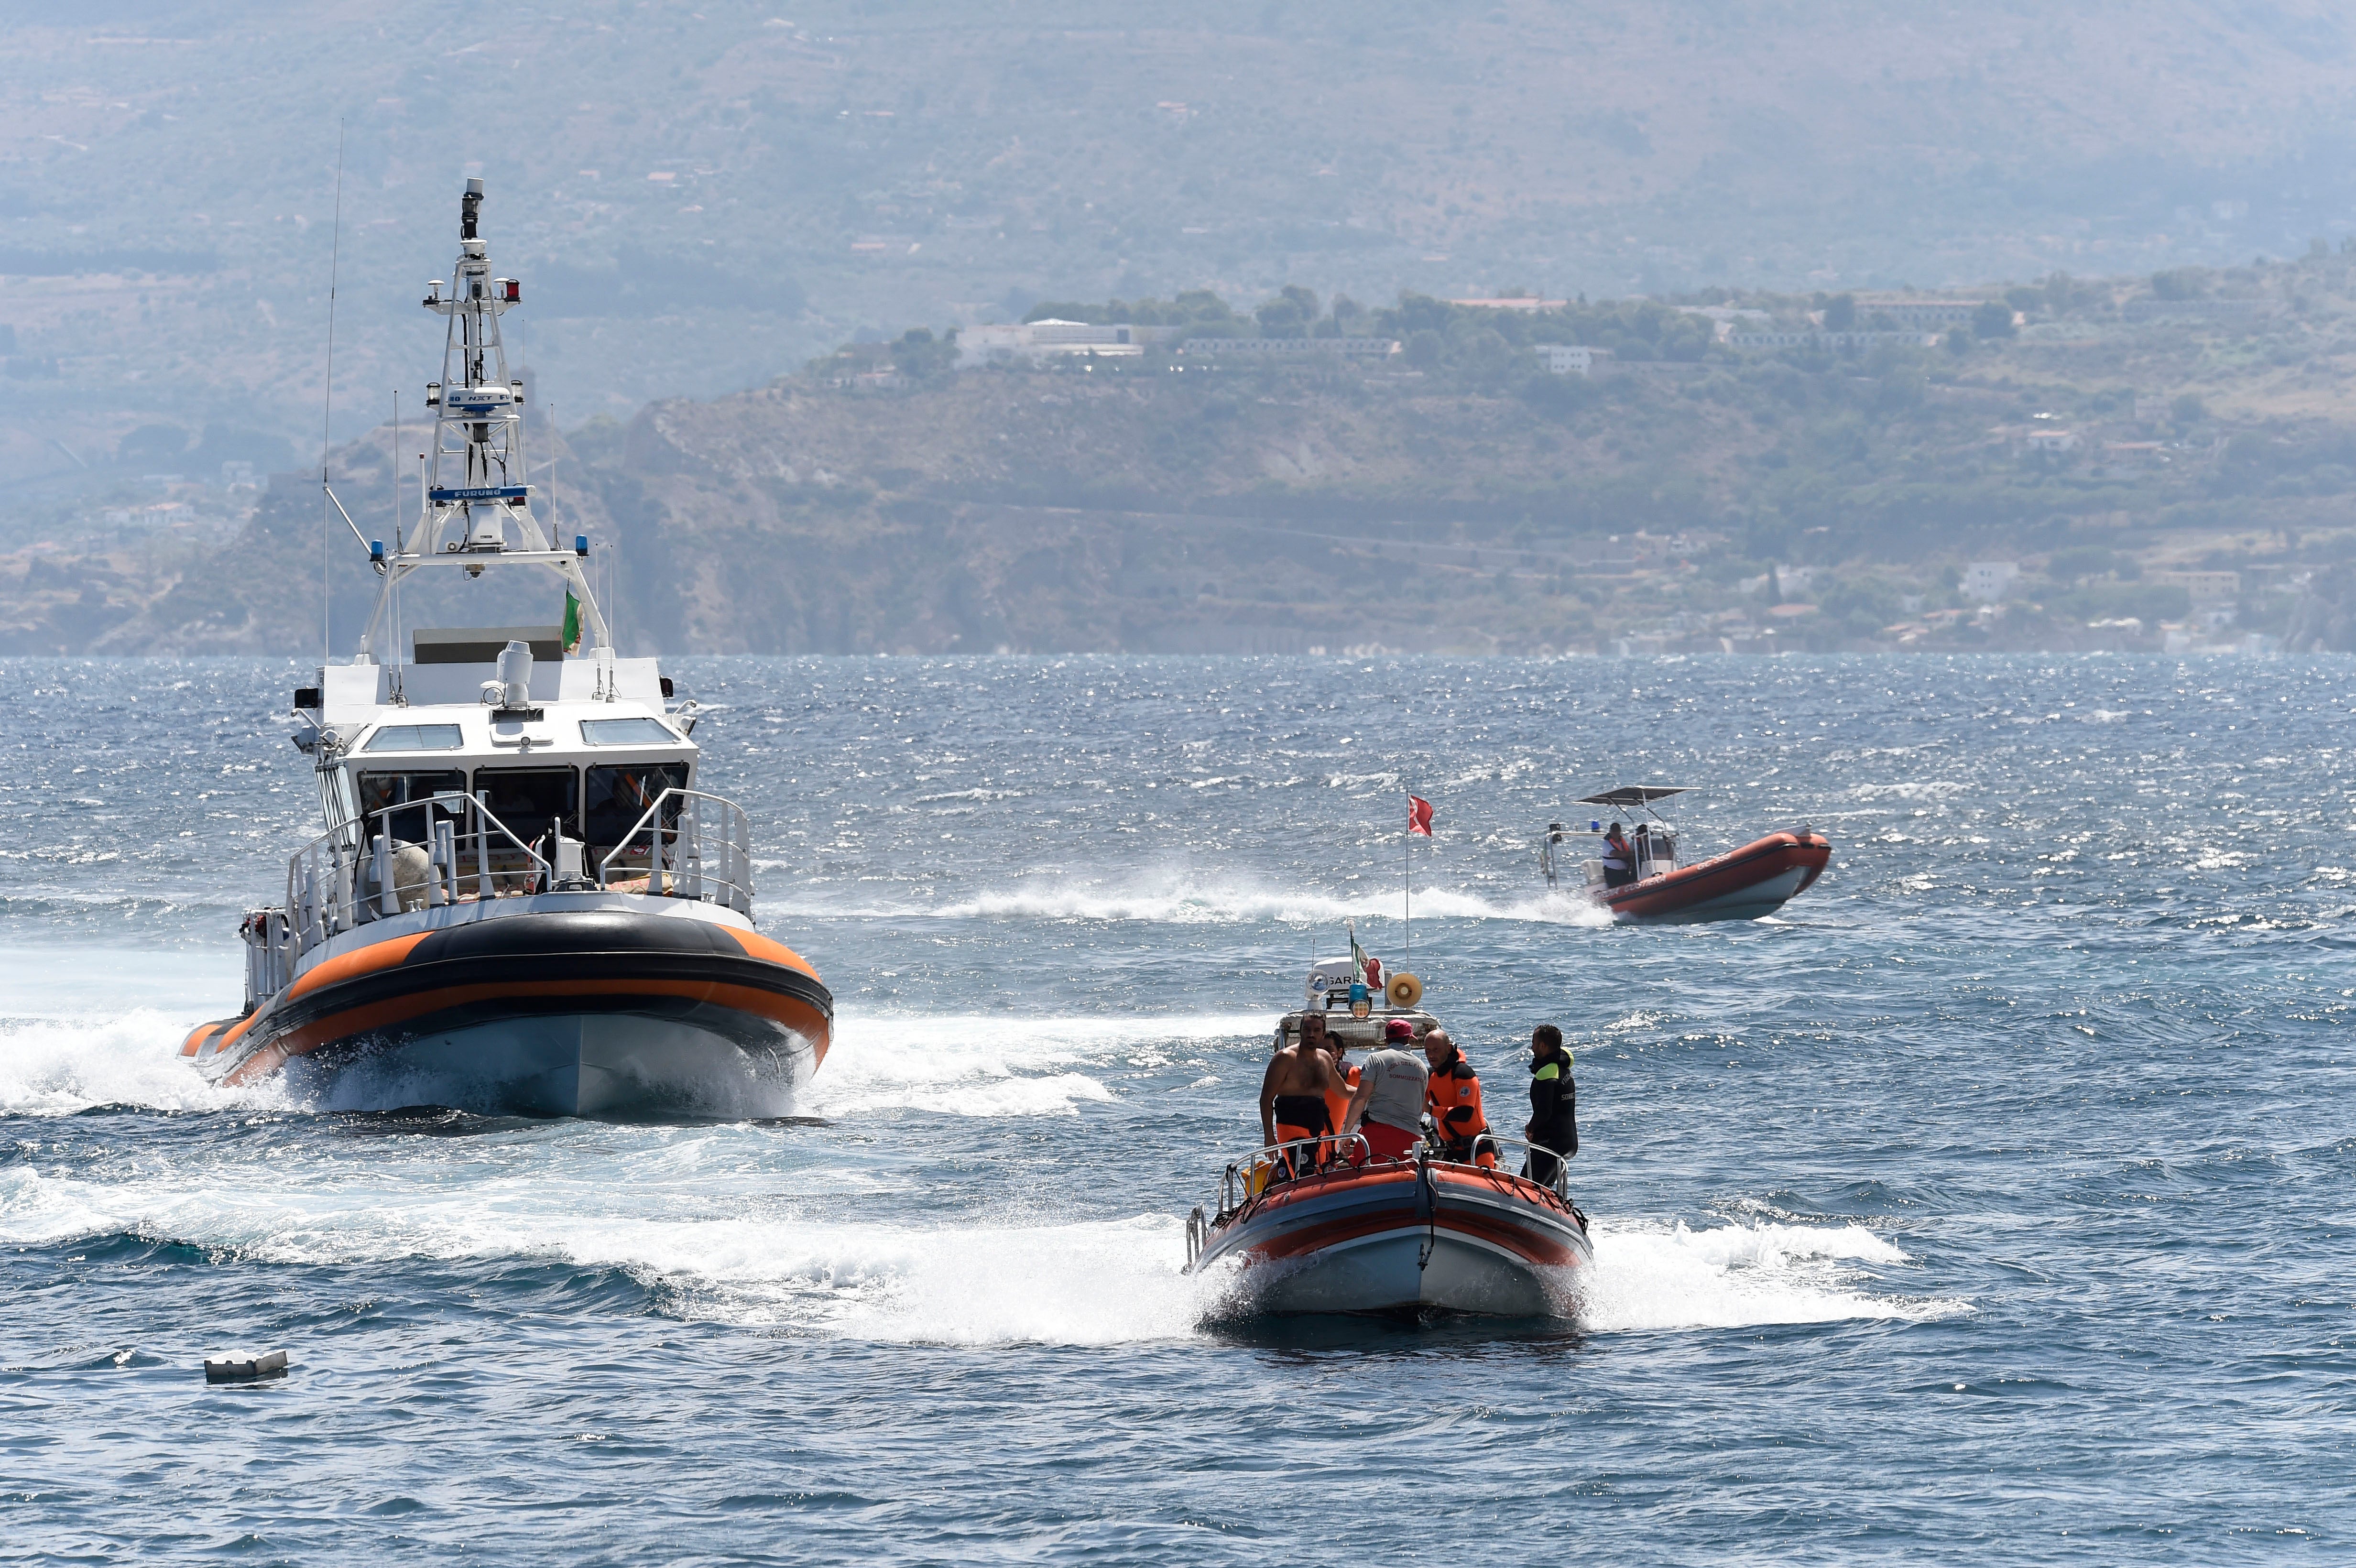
[1294, 1093]
[1387, 1103]
[1345, 1077]
[1452, 1095]
[1553, 1127]
[1618, 861]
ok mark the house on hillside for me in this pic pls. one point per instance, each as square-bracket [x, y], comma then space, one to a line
[1569, 360]
[1990, 581]
[1288, 347]
[1922, 315]
[1037, 341]
[2052, 440]
[2207, 589]
[1512, 301]
[1828, 340]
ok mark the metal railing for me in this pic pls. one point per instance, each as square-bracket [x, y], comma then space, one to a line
[1560, 1184]
[353, 875]
[1247, 1177]
[1244, 1180]
[365, 870]
[702, 848]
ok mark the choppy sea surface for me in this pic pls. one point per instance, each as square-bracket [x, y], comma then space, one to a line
[1995, 1203]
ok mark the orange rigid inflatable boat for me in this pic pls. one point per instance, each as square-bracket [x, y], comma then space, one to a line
[1321, 1225]
[1409, 1237]
[1743, 884]
[522, 902]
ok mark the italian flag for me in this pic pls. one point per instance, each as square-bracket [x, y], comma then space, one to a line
[572, 623]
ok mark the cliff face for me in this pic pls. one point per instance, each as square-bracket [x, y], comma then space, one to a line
[1150, 510]
[2324, 622]
[1060, 513]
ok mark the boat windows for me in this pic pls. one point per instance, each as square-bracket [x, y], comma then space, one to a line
[627, 732]
[619, 796]
[525, 798]
[378, 791]
[414, 738]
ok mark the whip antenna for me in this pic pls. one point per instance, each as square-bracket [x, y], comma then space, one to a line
[327, 413]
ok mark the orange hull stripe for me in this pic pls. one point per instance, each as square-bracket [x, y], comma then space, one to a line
[755, 945]
[359, 961]
[797, 1016]
[1528, 1245]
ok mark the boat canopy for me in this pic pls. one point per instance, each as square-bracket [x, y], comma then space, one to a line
[1634, 794]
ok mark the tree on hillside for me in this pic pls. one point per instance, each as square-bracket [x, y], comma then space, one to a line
[1290, 315]
[1993, 319]
[1841, 313]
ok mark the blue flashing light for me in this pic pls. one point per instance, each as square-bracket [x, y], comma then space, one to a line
[376, 549]
[581, 544]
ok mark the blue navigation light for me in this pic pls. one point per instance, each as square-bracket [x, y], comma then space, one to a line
[581, 544]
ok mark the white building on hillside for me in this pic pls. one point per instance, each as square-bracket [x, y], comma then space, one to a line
[1990, 581]
[1568, 359]
[1038, 340]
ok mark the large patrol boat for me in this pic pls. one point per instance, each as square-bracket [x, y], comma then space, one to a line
[521, 901]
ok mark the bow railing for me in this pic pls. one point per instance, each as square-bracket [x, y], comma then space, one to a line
[365, 870]
[688, 845]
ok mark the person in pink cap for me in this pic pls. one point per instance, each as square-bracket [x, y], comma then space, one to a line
[1387, 1104]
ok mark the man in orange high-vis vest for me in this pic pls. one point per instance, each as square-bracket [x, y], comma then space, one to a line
[1452, 1095]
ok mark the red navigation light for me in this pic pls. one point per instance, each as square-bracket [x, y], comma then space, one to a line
[511, 289]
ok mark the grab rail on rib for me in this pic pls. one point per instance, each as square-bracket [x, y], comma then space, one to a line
[1560, 1184]
[1239, 1176]
[689, 858]
[328, 889]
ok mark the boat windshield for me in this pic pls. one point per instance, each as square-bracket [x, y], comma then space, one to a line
[379, 790]
[525, 798]
[618, 796]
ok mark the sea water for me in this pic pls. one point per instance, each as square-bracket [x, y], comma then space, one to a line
[1992, 1203]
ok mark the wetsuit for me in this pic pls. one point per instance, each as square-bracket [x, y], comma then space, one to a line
[1554, 1116]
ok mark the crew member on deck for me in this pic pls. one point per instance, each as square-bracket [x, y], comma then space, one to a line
[1293, 1096]
[1618, 861]
[1388, 1101]
[1553, 1127]
[1452, 1096]
[1337, 1099]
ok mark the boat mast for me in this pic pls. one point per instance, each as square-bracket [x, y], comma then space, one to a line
[478, 505]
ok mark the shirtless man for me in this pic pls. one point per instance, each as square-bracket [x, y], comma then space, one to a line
[1292, 1093]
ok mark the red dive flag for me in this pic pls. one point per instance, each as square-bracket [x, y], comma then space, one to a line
[1418, 816]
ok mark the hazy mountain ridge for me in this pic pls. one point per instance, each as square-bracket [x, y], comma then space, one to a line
[864, 165]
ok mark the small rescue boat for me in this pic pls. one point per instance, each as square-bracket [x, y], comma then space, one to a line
[1756, 879]
[1318, 1225]
[521, 902]
[1407, 1237]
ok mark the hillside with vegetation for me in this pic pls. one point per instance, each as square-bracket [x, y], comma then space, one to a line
[699, 200]
[2164, 462]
